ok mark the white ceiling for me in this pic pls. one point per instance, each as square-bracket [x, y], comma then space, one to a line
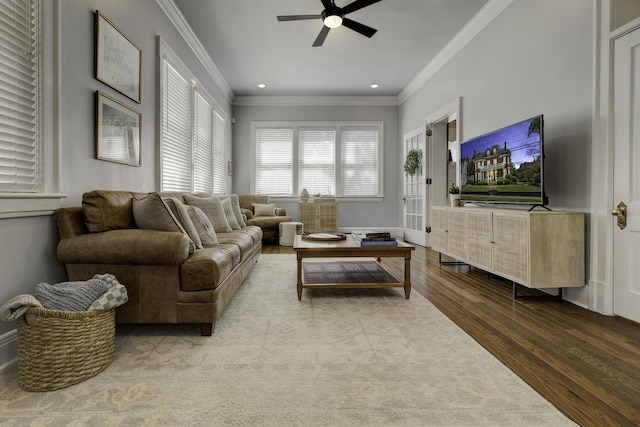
[249, 46]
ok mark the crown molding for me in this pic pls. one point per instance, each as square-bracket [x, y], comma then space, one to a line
[281, 101]
[177, 19]
[492, 9]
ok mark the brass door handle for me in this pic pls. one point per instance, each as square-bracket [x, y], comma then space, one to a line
[621, 213]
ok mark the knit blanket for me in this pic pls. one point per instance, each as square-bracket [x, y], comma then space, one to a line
[70, 296]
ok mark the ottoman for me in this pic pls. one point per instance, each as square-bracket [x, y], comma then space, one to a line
[287, 231]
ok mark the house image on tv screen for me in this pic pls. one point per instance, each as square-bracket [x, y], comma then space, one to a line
[504, 166]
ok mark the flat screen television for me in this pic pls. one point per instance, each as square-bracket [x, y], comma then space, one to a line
[504, 166]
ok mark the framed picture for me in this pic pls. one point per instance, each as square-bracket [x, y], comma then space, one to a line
[118, 131]
[118, 59]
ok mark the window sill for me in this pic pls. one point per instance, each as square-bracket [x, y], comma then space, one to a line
[20, 205]
[339, 199]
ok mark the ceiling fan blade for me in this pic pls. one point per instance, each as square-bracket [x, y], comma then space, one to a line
[323, 35]
[298, 17]
[326, 3]
[359, 28]
[358, 4]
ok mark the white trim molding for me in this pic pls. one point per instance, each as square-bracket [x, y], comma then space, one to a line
[8, 349]
[177, 19]
[492, 9]
[333, 101]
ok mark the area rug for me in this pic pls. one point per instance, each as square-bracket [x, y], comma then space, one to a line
[351, 357]
[346, 272]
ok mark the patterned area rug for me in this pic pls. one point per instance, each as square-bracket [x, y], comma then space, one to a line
[346, 272]
[353, 357]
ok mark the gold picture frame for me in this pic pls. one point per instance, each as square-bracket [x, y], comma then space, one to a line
[118, 131]
[118, 60]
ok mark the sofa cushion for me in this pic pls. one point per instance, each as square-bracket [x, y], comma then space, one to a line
[260, 209]
[212, 207]
[208, 267]
[203, 226]
[241, 240]
[228, 213]
[152, 213]
[253, 231]
[108, 210]
[237, 211]
[179, 211]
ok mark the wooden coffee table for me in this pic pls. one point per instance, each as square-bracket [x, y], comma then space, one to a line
[346, 249]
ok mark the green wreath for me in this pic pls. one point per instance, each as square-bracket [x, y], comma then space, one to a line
[413, 162]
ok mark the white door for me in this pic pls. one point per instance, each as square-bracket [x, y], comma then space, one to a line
[626, 241]
[414, 188]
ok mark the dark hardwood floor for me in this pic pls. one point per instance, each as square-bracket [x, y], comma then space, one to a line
[584, 363]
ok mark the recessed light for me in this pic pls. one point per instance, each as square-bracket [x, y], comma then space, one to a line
[375, 85]
[262, 85]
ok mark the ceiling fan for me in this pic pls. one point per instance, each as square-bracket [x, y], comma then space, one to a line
[333, 16]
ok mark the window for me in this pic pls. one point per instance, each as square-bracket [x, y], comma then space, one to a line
[20, 153]
[193, 132]
[342, 159]
[29, 136]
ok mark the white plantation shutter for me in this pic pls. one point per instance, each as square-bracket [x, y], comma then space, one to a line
[359, 161]
[274, 161]
[317, 158]
[19, 90]
[203, 145]
[176, 131]
[219, 154]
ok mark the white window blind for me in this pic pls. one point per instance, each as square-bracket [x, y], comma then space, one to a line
[19, 97]
[193, 137]
[317, 159]
[203, 145]
[219, 154]
[274, 161]
[359, 154]
[176, 131]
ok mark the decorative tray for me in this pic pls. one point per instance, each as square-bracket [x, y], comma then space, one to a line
[326, 237]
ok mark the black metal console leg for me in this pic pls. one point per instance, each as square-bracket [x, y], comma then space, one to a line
[540, 295]
[449, 262]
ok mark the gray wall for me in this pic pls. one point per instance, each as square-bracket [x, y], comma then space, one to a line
[351, 214]
[28, 249]
[535, 57]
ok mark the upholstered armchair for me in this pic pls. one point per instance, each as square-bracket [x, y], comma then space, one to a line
[265, 215]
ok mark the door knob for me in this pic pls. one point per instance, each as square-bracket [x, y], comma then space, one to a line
[621, 213]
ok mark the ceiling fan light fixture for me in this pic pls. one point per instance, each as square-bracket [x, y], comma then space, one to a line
[333, 21]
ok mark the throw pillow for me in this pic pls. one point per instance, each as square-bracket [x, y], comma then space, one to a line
[203, 225]
[235, 204]
[228, 212]
[179, 210]
[260, 209]
[152, 213]
[212, 207]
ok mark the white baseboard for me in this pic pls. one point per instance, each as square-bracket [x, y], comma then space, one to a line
[8, 349]
[398, 233]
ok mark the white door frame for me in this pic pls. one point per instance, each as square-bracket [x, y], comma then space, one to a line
[601, 223]
[438, 152]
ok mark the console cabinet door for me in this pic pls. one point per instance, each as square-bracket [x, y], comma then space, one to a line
[479, 239]
[439, 230]
[457, 234]
[511, 246]
[308, 214]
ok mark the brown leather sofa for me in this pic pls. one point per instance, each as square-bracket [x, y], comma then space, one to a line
[270, 224]
[165, 282]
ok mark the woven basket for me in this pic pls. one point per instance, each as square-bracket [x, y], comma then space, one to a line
[57, 349]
